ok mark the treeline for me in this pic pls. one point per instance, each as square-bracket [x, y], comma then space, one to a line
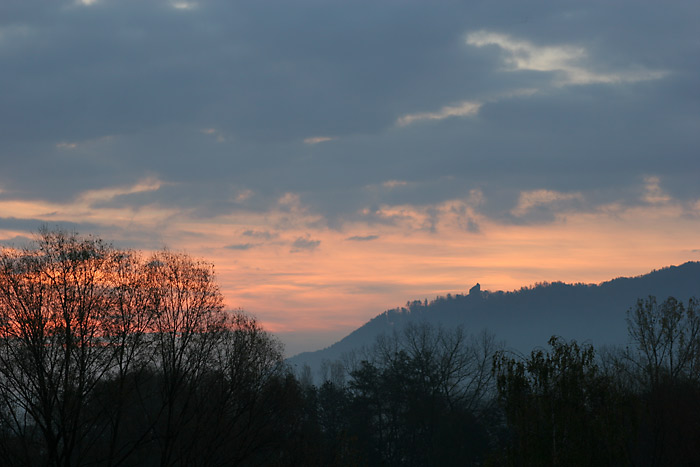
[419, 397]
[428, 396]
[109, 357]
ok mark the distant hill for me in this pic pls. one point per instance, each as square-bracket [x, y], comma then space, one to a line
[528, 317]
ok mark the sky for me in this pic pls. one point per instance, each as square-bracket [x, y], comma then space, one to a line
[337, 158]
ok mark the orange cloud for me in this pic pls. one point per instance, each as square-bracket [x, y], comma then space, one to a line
[337, 279]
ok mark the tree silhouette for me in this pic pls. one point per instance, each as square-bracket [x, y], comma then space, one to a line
[560, 409]
[110, 358]
[421, 396]
[55, 306]
[664, 367]
[667, 339]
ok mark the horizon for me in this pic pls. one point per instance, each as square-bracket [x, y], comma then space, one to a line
[301, 342]
[336, 160]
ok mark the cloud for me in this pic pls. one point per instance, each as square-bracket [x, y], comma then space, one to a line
[261, 234]
[568, 61]
[103, 195]
[529, 200]
[461, 109]
[304, 244]
[30, 225]
[243, 195]
[277, 85]
[220, 138]
[290, 201]
[362, 238]
[240, 246]
[184, 5]
[317, 139]
[653, 194]
[472, 226]
[394, 183]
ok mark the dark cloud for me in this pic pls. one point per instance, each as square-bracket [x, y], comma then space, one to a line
[472, 226]
[240, 246]
[304, 244]
[128, 236]
[260, 234]
[362, 238]
[34, 225]
[217, 101]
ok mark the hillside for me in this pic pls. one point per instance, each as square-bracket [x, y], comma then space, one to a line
[526, 318]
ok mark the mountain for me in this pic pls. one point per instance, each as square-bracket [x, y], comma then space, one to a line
[527, 318]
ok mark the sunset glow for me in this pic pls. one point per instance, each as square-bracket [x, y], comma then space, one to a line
[306, 279]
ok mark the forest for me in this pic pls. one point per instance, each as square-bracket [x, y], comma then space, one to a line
[112, 357]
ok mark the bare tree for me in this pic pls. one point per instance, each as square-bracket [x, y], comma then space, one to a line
[239, 416]
[128, 333]
[421, 393]
[110, 358]
[667, 340]
[187, 325]
[54, 302]
[449, 362]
